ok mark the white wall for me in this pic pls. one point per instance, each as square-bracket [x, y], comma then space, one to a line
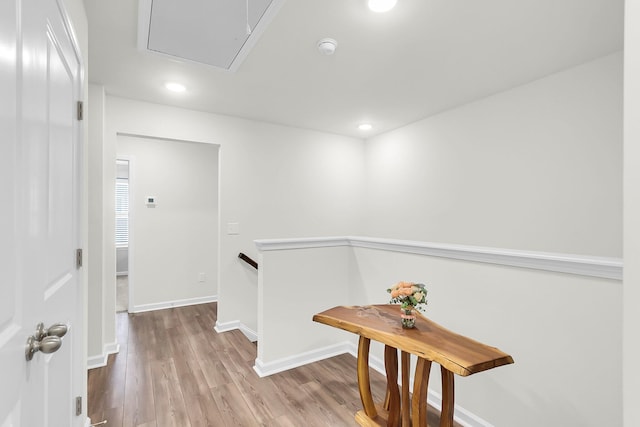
[556, 327]
[267, 174]
[631, 353]
[294, 286]
[101, 284]
[175, 240]
[538, 167]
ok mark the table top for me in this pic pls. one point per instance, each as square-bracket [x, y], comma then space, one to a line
[459, 354]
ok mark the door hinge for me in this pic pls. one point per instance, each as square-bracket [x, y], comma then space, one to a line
[78, 258]
[80, 110]
[78, 405]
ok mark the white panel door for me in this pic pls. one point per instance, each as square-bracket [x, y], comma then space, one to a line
[40, 74]
[11, 340]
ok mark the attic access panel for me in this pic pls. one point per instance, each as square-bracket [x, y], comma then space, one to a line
[212, 32]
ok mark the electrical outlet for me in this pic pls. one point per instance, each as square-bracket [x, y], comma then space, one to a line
[233, 228]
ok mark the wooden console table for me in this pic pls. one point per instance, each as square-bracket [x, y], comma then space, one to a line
[429, 342]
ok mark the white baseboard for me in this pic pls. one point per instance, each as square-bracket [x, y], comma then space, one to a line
[280, 365]
[100, 360]
[172, 304]
[461, 415]
[236, 324]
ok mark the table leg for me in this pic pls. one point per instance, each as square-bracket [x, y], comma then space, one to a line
[393, 394]
[406, 403]
[364, 383]
[420, 386]
[387, 400]
[446, 415]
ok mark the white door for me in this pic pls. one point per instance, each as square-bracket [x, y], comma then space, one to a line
[40, 74]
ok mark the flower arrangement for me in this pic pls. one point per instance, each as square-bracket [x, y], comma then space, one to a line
[408, 295]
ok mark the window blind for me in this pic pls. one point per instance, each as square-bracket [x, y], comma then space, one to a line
[122, 212]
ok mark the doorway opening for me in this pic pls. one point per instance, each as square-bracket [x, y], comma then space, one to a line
[122, 235]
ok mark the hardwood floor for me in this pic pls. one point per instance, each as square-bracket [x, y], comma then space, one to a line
[173, 369]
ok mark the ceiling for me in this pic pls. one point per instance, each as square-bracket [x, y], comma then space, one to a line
[391, 69]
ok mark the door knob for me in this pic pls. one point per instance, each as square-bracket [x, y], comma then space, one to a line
[55, 330]
[46, 345]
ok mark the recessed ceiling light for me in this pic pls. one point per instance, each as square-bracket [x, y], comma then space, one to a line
[365, 126]
[382, 5]
[175, 87]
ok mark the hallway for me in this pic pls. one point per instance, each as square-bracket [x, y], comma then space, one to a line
[173, 369]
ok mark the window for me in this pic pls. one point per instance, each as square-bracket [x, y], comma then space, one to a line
[122, 212]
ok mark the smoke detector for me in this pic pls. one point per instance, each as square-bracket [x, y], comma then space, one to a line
[327, 46]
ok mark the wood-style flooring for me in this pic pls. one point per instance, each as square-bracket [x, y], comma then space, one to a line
[173, 369]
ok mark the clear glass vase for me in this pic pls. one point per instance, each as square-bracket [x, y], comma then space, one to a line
[408, 317]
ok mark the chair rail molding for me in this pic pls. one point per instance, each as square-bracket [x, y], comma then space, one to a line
[584, 265]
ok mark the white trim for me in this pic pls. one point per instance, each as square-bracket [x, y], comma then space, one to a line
[256, 34]
[158, 138]
[144, 21]
[172, 304]
[584, 265]
[280, 365]
[97, 361]
[460, 415]
[236, 324]
[301, 243]
[101, 360]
